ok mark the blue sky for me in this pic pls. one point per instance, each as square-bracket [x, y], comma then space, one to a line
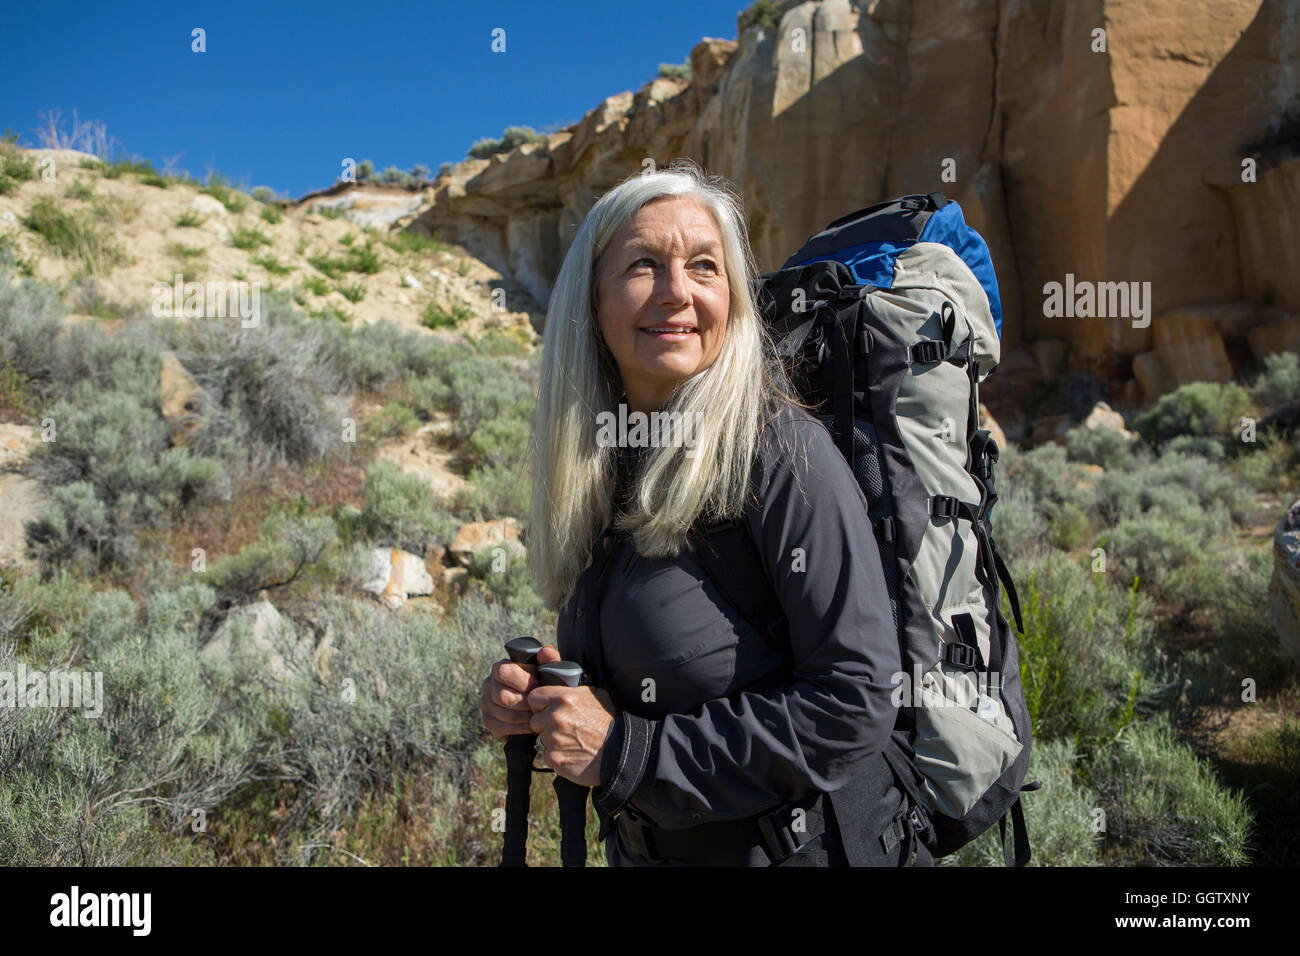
[286, 90]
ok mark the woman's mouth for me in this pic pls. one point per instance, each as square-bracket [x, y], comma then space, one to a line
[670, 333]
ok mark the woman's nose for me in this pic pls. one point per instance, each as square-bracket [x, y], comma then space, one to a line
[673, 287]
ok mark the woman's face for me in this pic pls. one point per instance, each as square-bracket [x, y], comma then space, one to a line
[663, 270]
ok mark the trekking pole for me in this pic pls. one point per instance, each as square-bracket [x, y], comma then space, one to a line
[519, 769]
[572, 796]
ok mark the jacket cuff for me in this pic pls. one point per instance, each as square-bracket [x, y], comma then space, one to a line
[627, 752]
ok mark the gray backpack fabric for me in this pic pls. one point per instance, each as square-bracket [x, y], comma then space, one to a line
[888, 321]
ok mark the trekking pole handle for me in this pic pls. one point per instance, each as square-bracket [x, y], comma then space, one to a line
[523, 650]
[561, 673]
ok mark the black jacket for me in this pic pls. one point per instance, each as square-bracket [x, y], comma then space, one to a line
[713, 723]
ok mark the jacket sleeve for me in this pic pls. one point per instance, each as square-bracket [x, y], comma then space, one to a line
[750, 752]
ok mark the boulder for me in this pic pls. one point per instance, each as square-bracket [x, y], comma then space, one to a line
[1152, 377]
[1281, 336]
[477, 538]
[394, 575]
[258, 631]
[1284, 587]
[1103, 416]
[206, 205]
[1190, 347]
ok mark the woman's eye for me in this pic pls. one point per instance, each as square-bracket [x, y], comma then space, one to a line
[707, 263]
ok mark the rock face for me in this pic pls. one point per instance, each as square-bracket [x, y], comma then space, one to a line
[1284, 588]
[1110, 156]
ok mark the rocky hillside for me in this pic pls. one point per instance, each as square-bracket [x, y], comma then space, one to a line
[107, 233]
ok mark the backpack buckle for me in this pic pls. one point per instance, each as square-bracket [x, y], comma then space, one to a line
[777, 838]
[944, 506]
[961, 655]
[927, 352]
[884, 529]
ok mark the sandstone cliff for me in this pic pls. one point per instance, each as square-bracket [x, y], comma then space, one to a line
[1122, 165]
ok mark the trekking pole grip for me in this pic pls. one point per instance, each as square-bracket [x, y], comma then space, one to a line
[572, 796]
[519, 750]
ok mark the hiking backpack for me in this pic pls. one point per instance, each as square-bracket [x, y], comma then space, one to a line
[887, 321]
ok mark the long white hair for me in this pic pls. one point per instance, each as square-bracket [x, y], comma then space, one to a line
[732, 400]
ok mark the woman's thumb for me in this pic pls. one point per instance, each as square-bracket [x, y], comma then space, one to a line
[547, 654]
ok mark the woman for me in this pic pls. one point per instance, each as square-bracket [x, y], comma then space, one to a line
[706, 742]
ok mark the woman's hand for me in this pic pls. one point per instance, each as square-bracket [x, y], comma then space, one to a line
[572, 724]
[502, 702]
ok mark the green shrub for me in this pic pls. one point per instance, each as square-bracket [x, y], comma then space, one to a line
[263, 194]
[1059, 490]
[483, 148]
[437, 316]
[80, 235]
[221, 190]
[82, 189]
[1166, 806]
[1060, 816]
[512, 587]
[1201, 409]
[680, 71]
[190, 219]
[15, 168]
[375, 354]
[500, 442]
[352, 291]
[316, 285]
[1279, 384]
[272, 265]
[363, 259]
[409, 242]
[494, 492]
[248, 239]
[270, 395]
[1199, 445]
[399, 511]
[1086, 656]
[394, 419]
[184, 252]
[1100, 446]
[485, 390]
[286, 546]
[271, 214]
[762, 14]
[110, 471]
